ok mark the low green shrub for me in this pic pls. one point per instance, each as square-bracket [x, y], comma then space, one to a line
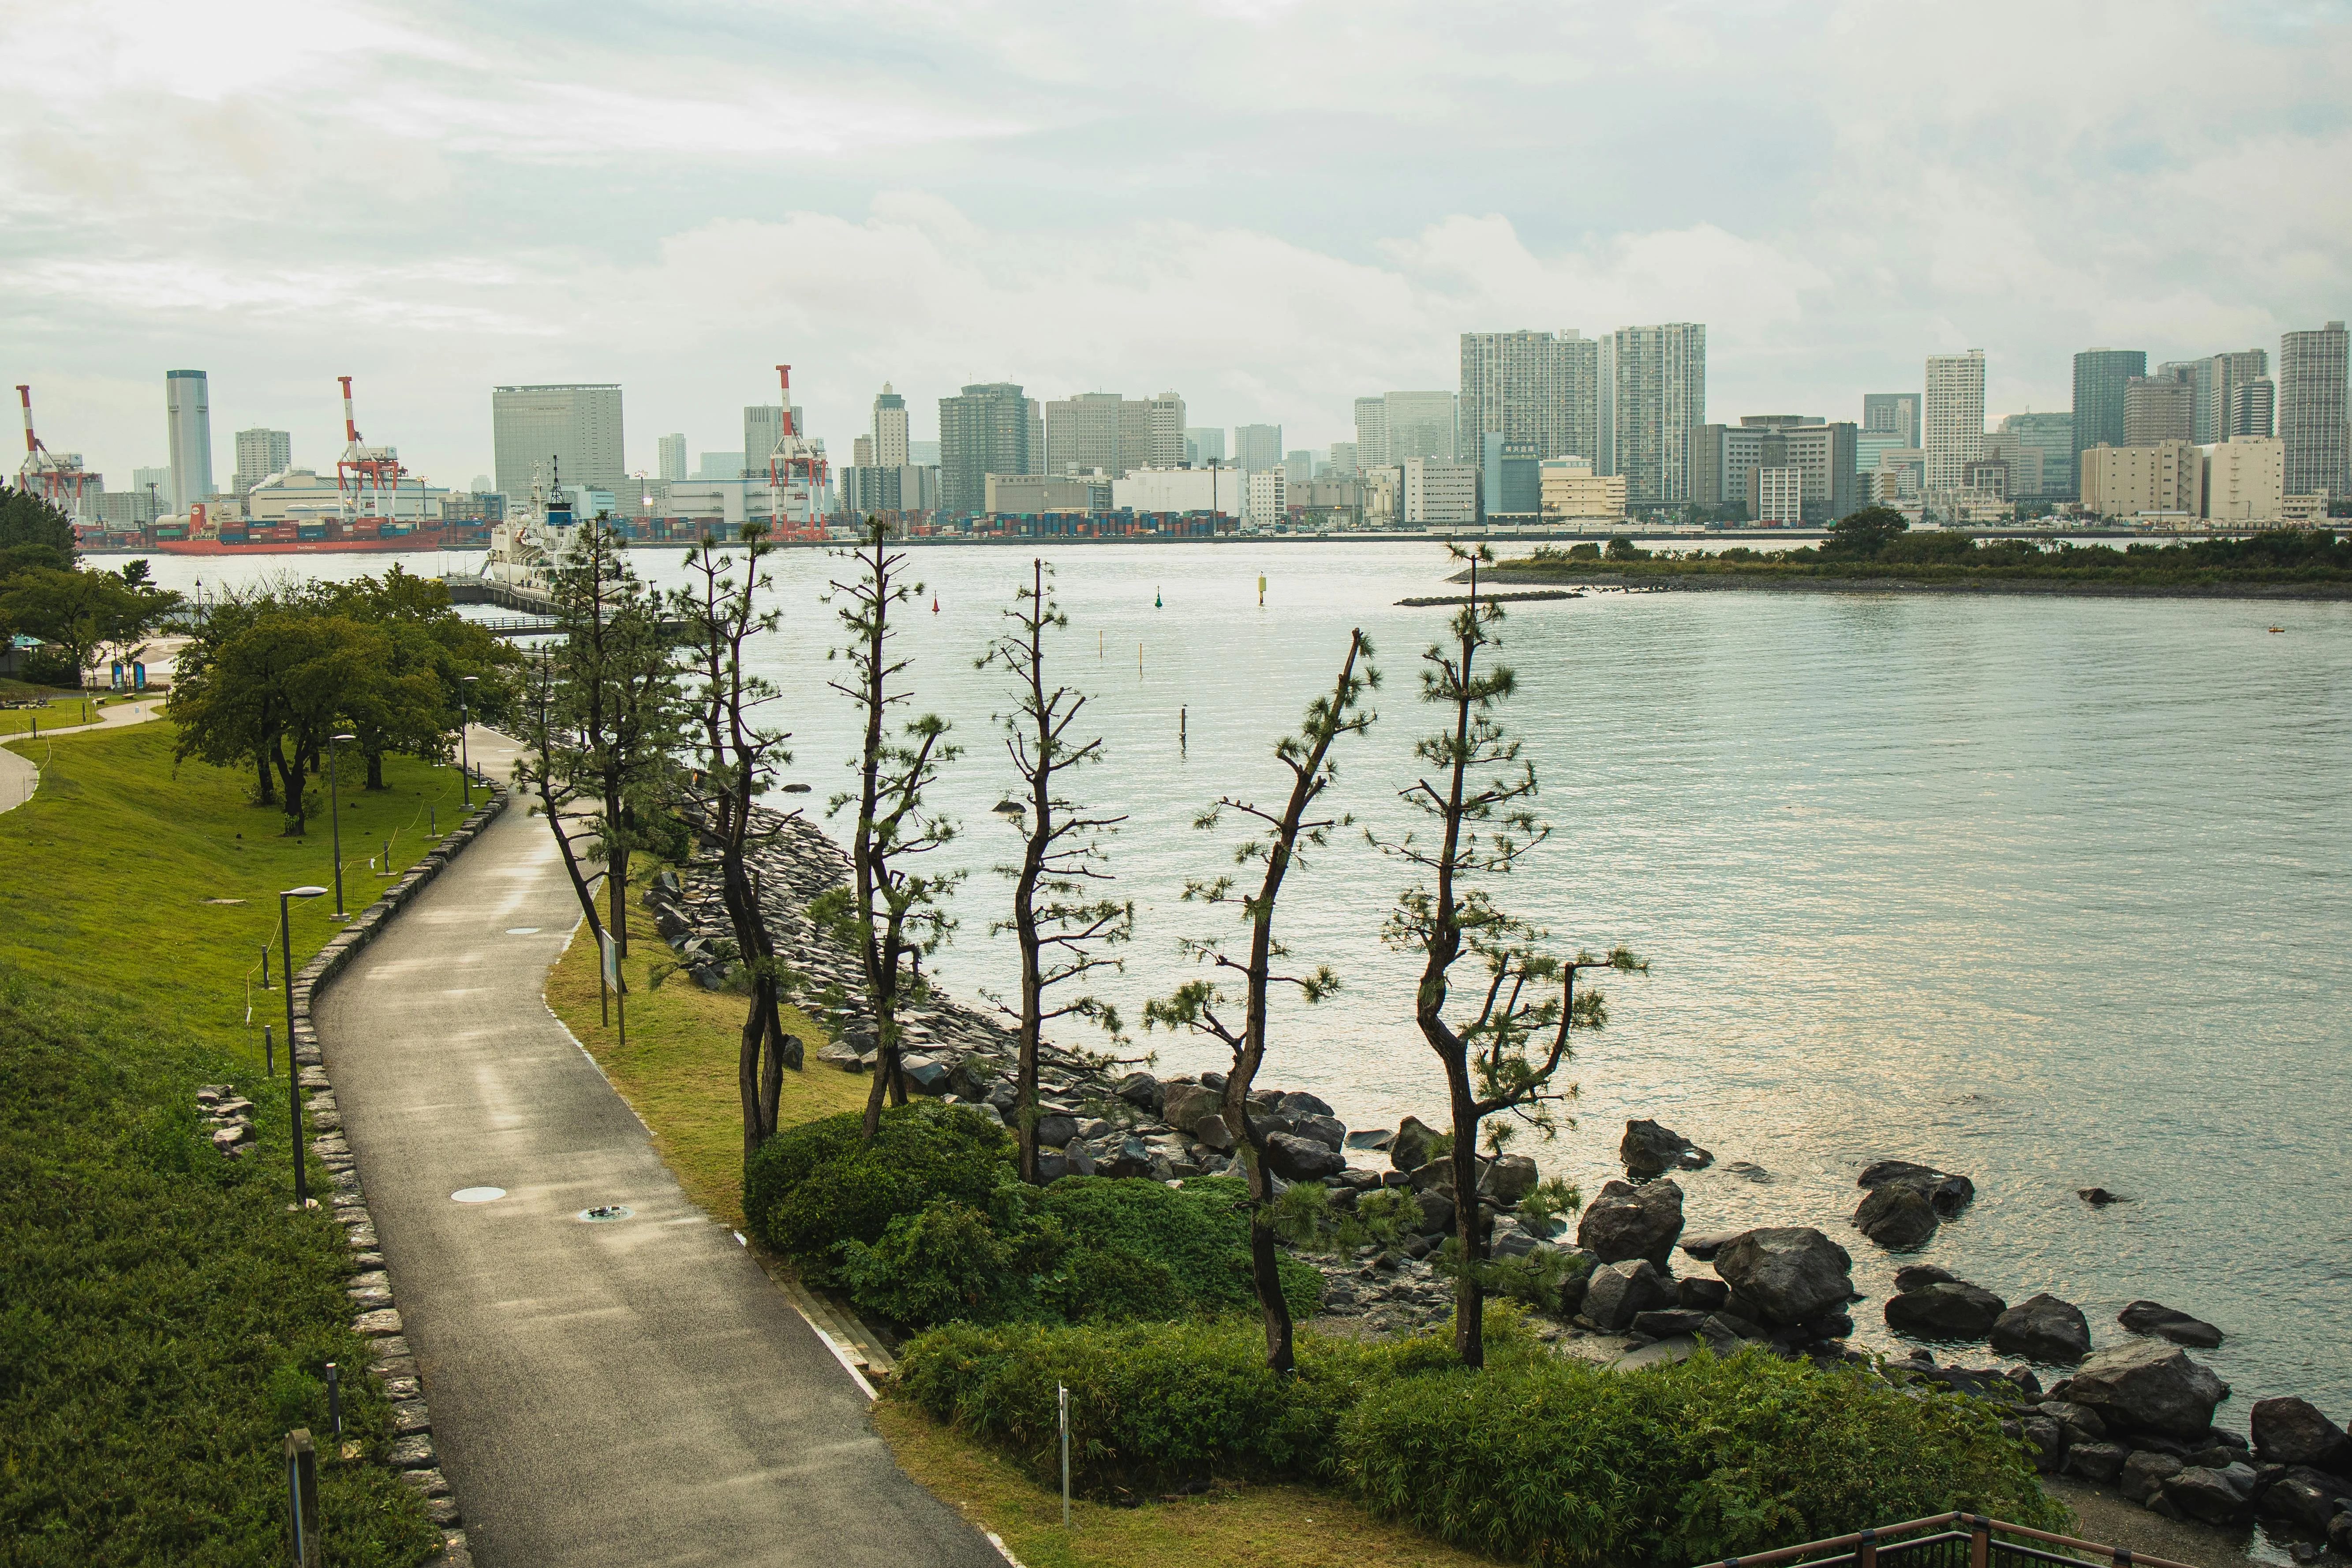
[812, 1187]
[1560, 1461]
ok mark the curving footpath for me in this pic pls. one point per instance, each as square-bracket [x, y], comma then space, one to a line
[633, 1392]
[20, 776]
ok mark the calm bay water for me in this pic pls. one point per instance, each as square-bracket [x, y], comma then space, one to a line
[2053, 892]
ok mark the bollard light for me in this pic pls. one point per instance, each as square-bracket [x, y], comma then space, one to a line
[293, 1056]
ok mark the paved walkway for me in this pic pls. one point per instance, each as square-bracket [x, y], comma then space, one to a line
[20, 775]
[633, 1393]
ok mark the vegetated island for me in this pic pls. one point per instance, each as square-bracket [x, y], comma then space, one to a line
[1873, 550]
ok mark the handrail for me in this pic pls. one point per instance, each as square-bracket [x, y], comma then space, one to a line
[1866, 1545]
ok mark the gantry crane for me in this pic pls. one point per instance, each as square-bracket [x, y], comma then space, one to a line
[57, 480]
[795, 465]
[364, 467]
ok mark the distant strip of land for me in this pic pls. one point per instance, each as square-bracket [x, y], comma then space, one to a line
[2302, 564]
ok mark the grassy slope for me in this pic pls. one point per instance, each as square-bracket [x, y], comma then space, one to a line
[56, 711]
[678, 1072]
[163, 1320]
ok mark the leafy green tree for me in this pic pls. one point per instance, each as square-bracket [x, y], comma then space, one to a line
[86, 613]
[277, 687]
[1862, 535]
[1502, 1049]
[1059, 918]
[417, 705]
[1279, 840]
[26, 520]
[893, 911]
[736, 757]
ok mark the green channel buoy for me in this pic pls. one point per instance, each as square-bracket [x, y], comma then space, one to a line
[1155, 600]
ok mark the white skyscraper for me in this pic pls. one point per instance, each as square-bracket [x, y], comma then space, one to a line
[188, 416]
[1371, 432]
[259, 454]
[890, 429]
[1955, 417]
[575, 426]
[1164, 432]
[672, 461]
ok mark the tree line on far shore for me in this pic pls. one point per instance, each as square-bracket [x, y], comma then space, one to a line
[642, 722]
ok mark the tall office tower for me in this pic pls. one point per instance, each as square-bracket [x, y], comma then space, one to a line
[1605, 461]
[1097, 430]
[1892, 414]
[1422, 425]
[670, 453]
[923, 454]
[1298, 467]
[890, 429]
[188, 427]
[1257, 447]
[2049, 435]
[1372, 432]
[2217, 390]
[861, 452]
[2197, 374]
[1163, 432]
[719, 465]
[1204, 445]
[1342, 458]
[259, 454]
[1661, 397]
[576, 426]
[2160, 408]
[1537, 389]
[2100, 377]
[985, 429]
[2311, 403]
[2254, 408]
[1953, 422]
[763, 430]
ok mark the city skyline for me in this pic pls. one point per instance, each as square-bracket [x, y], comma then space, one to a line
[902, 224]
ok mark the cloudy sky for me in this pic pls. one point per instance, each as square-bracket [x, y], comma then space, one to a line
[1269, 206]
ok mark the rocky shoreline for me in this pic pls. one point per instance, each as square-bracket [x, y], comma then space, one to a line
[2136, 1415]
[1710, 582]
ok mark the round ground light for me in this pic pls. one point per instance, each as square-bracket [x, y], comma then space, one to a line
[477, 1195]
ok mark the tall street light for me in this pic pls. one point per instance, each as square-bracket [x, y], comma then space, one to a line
[293, 1063]
[335, 819]
[465, 721]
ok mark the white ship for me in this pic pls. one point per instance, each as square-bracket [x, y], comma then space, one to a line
[530, 544]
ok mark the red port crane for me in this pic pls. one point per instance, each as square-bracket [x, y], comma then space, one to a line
[795, 465]
[58, 480]
[364, 467]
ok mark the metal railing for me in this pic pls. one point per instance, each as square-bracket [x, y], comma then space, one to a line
[1946, 1540]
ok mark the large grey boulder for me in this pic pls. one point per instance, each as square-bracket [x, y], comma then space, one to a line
[2306, 1499]
[1436, 1211]
[1297, 1159]
[1651, 1149]
[2096, 1462]
[1784, 1275]
[2143, 1474]
[2291, 1431]
[1508, 1178]
[1298, 1103]
[1626, 1222]
[1952, 1310]
[1920, 1276]
[1897, 1216]
[2147, 1386]
[1949, 1193]
[2043, 1327]
[2217, 1496]
[1326, 1130]
[1055, 1131]
[1183, 1104]
[1142, 1090]
[1619, 1292]
[1410, 1150]
[2155, 1318]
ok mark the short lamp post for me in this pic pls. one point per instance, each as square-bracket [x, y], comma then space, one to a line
[293, 1058]
[465, 721]
[335, 819]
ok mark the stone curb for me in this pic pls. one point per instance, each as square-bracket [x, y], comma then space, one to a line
[375, 1313]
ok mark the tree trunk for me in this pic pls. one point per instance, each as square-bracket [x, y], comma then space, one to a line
[1266, 1274]
[580, 891]
[264, 785]
[291, 778]
[1469, 1288]
[375, 769]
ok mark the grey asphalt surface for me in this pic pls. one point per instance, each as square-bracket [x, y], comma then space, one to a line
[630, 1393]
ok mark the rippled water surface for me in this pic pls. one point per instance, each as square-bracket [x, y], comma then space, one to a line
[2049, 891]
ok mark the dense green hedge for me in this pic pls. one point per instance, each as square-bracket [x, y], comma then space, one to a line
[1536, 1457]
[163, 1320]
[811, 1187]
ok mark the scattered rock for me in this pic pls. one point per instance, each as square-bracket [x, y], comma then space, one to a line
[2096, 1462]
[2042, 1328]
[1748, 1171]
[1665, 1323]
[1055, 1131]
[1897, 1216]
[2155, 1317]
[1509, 1178]
[1785, 1273]
[1627, 1222]
[2098, 1197]
[1947, 1309]
[924, 1075]
[1184, 1104]
[1949, 1193]
[1703, 1248]
[1650, 1149]
[2215, 1496]
[2339, 1533]
[1326, 1130]
[1374, 1139]
[1619, 1292]
[2291, 1431]
[2080, 1420]
[1920, 1276]
[2148, 1386]
[2306, 1499]
[1142, 1090]
[2143, 1474]
[1702, 1294]
[1410, 1150]
[1212, 1132]
[2049, 1441]
[1299, 1159]
[1726, 1331]
[1436, 1211]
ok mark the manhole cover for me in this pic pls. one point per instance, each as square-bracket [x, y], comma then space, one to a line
[605, 1213]
[522, 930]
[477, 1195]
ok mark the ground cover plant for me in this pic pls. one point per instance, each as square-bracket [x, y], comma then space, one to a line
[163, 1318]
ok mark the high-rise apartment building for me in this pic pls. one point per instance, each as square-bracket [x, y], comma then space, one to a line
[576, 426]
[1725, 460]
[2215, 380]
[188, 427]
[2311, 408]
[986, 429]
[889, 434]
[1371, 432]
[1661, 397]
[1299, 466]
[2040, 450]
[1204, 445]
[259, 454]
[1342, 459]
[1539, 390]
[1257, 447]
[1422, 425]
[1953, 426]
[1892, 414]
[1097, 430]
[2161, 408]
[2100, 377]
[669, 456]
[764, 432]
[1163, 432]
[719, 465]
[2254, 408]
[1269, 495]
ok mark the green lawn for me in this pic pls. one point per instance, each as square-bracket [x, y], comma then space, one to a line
[53, 713]
[164, 1318]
